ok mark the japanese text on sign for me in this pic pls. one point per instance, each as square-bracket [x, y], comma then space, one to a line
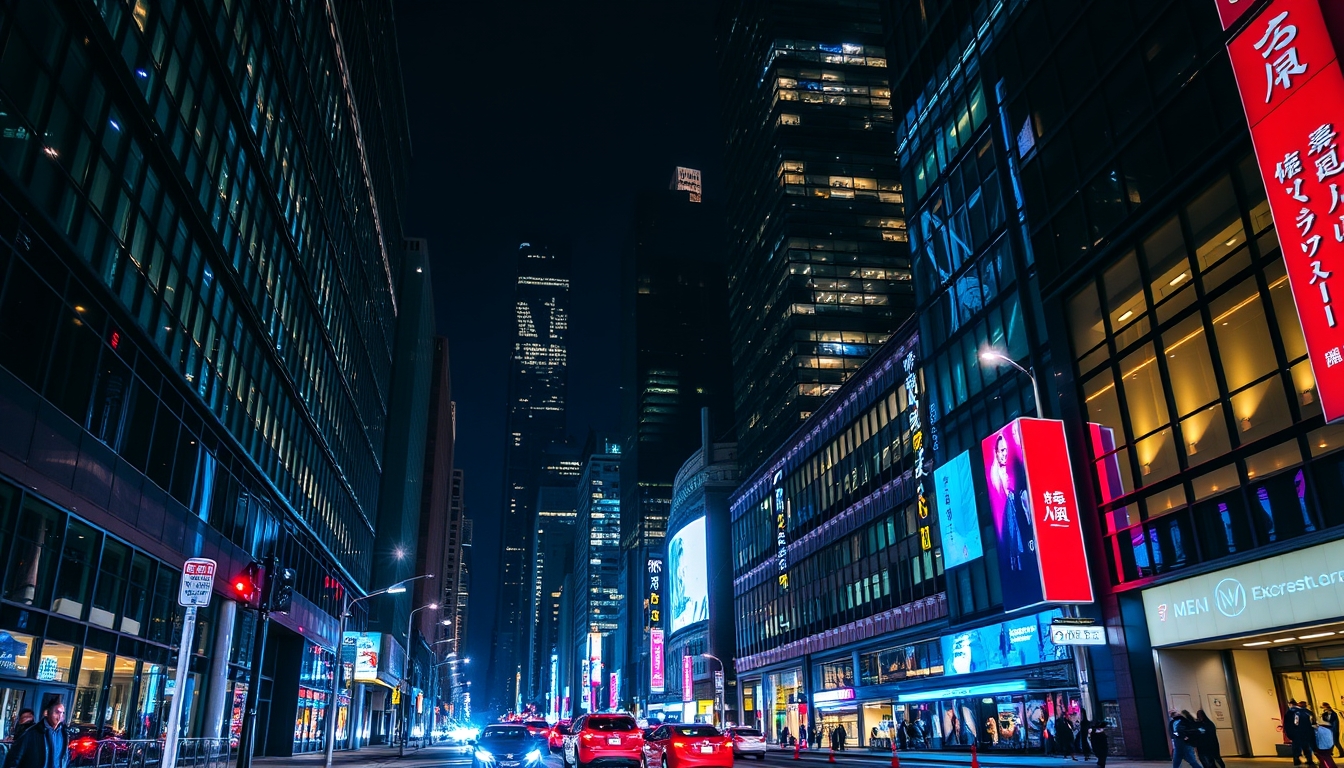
[198, 582]
[917, 443]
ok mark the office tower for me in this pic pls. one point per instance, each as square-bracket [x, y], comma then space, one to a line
[201, 227]
[675, 361]
[552, 553]
[538, 379]
[597, 550]
[438, 553]
[461, 693]
[819, 268]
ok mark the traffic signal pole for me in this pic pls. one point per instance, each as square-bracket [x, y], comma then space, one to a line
[247, 739]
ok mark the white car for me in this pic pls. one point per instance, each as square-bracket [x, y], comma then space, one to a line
[747, 741]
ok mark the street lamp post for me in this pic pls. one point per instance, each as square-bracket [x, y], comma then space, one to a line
[1080, 657]
[406, 673]
[723, 694]
[332, 705]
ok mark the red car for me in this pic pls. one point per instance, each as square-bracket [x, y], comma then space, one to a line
[556, 736]
[604, 740]
[681, 745]
[537, 728]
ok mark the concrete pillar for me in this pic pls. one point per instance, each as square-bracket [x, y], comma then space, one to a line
[217, 705]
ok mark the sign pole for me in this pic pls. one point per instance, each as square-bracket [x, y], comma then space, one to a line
[179, 687]
[198, 583]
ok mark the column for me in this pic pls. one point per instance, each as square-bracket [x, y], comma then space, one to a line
[218, 684]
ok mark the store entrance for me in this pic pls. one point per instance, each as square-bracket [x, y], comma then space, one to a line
[1244, 684]
[847, 718]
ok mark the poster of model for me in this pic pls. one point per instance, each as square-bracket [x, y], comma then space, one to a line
[958, 521]
[689, 590]
[1010, 505]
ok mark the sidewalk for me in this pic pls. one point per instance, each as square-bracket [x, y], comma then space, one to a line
[921, 758]
[379, 756]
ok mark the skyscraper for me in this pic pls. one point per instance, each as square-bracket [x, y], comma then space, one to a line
[818, 256]
[538, 377]
[552, 556]
[199, 210]
[597, 550]
[675, 361]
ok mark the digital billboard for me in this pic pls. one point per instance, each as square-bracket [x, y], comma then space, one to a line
[689, 588]
[958, 521]
[1016, 643]
[1035, 513]
[367, 646]
[657, 676]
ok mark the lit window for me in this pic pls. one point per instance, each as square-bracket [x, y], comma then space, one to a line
[786, 119]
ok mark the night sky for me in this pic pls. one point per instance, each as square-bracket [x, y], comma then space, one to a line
[536, 120]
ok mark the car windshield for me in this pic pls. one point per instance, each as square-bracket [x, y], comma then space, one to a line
[537, 724]
[611, 723]
[505, 732]
[694, 730]
[746, 732]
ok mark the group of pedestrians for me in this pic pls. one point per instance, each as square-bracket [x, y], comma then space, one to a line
[836, 736]
[1068, 738]
[1194, 740]
[1310, 736]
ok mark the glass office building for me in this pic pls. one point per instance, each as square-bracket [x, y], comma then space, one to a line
[819, 271]
[197, 236]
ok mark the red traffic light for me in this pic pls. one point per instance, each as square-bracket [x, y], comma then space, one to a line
[247, 585]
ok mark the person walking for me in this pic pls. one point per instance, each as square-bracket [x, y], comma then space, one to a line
[1325, 745]
[1100, 743]
[22, 724]
[46, 744]
[1064, 735]
[1084, 735]
[802, 735]
[840, 737]
[1300, 731]
[1331, 720]
[1048, 736]
[1210, 751]
[1182, 740]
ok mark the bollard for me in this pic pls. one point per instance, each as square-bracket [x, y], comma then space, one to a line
[975, 758]
[795, 750]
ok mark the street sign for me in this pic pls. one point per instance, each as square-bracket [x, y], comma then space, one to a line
[198, 581]
[1077, 634]
[718, 681]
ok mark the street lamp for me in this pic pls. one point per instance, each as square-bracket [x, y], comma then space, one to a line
[406, 673]
[990, 356]
[346, 605]
[723, 694]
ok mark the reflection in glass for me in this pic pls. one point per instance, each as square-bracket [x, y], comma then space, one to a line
[88, 687]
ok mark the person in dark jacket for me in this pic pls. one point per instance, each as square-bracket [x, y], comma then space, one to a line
[1210, 752]
[1100, 743]
[1330, 718]
[1084, 734]
[46, 744]
[1301, 731]
[22, 724]
[840, 736]
[1182, 740]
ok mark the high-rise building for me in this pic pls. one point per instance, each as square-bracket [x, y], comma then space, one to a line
[538, 378]
[461, 695]
[200, 216]
[552, 556]
[438, 550]
[675, 361]
[597, 552]
[819, 269]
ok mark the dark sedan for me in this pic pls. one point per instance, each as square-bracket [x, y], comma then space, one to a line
[508, 746]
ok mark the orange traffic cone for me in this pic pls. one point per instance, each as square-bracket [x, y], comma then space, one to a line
[975, 758]
[795, 750]
[895, 760]
[832, 757]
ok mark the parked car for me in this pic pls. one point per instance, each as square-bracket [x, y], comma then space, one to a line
[604, 740]
[509, 745]
[688, 745]
[556, 736]
[747, 741]
[538, 728]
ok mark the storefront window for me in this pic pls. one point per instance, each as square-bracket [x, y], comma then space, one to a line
[119, 694]
[36, 547]
[88, 687]
[55, 662]
[787, 691]
[15, 649]
[892, 664]
[837, 674]
[153, 680]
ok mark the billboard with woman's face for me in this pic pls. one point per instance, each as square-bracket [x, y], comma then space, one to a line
[1010, 504]
[689, 587]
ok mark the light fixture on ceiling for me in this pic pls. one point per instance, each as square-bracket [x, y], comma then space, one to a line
[1315, 635]
[1177, 279]
[1128, 314]
[1278, 640]
[1256, 643]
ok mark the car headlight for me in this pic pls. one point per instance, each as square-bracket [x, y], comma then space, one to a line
[484, 756]
[534, 756]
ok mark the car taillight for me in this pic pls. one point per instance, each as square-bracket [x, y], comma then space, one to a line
[586, 736]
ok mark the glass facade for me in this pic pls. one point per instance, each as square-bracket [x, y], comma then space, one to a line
[819, 269]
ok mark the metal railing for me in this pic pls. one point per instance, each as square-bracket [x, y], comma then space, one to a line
[148, 753]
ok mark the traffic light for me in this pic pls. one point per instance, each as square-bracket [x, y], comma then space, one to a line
[247, 585]
[282, 589]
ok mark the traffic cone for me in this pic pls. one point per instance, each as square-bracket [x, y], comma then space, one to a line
[795, 750]
[832, 757]
[895, 760]
[975, 758]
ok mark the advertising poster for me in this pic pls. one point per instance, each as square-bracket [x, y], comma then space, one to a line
[958, 521]
[687, 679]
[1010, 507]
[689, 590]
[657, 675]
[366, 646]
[1035, 510]
[1016, 643]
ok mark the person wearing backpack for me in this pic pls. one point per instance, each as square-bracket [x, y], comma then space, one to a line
[1297, 726]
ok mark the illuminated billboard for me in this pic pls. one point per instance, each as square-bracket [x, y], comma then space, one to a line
[1035, 513]
[1016, 643]
[657, 676]
[689, 589]
[958, 521]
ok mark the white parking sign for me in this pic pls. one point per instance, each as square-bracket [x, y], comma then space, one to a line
[198, 581]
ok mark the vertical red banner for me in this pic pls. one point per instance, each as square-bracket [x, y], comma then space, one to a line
[657, 678]
[1293, 92]
[1231, 10]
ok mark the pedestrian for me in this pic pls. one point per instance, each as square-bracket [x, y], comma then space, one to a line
[902, 735]
[1084, 735]
[1182, 737]
[785, 738]
[1300, 731]
[1331, 719]
[802, 734]
[22, 724]
[44, 745]
[1100, 744]
[1064, 735]
[1325, 745]
[840, 737]
[1210, 751]
[1048, 736]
